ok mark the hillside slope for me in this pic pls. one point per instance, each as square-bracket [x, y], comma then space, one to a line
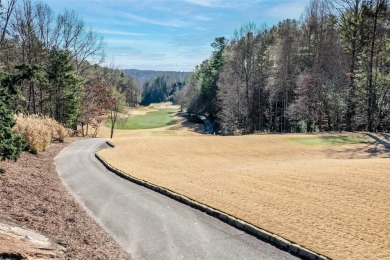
[32, 193]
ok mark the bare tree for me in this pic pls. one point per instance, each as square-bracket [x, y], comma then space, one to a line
[31, 49]
[94, 102]
[284, 74]
[5, 19]
[116, 107]
[242, 92]
[231, 93]
[82, 43]
[45, 25]
[322, 81]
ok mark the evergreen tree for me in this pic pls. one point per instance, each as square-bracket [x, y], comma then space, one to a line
[210, 75]
[64, 88]
[11, 145]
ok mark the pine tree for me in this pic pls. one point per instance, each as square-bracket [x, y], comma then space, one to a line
[11, 145]
[65, 85]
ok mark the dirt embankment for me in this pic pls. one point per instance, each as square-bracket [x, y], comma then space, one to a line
[32, 194]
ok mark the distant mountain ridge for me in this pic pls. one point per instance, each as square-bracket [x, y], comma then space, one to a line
[142, 76]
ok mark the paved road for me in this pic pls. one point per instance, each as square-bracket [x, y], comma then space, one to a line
[208, 126]
[147, 224]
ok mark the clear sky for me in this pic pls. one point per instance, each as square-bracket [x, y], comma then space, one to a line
[172, 34]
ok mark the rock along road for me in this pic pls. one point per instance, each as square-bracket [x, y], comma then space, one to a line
[149, 225]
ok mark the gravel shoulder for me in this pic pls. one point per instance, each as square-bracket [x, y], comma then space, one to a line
[32, 194]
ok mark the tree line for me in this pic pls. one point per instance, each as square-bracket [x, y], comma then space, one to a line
[160, 89]
[51, 65]
[142, 76]
[328, 71]
[57, 60]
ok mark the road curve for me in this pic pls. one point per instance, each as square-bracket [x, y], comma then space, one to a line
[147, 224]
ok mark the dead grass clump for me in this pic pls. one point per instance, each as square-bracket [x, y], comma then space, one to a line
[39, 131]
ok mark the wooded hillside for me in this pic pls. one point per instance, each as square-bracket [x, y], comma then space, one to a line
[53, 65]
[158, 86]
[328, 71]
[142, 76]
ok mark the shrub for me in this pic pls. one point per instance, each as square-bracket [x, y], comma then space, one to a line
[11, 144]
[39, 131]
[302, 126]
[315, 128]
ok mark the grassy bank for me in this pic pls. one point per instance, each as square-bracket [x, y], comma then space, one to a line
[322, 140]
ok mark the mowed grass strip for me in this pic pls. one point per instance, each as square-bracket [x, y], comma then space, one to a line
[153, 119]
[320, 140]
[333, 200]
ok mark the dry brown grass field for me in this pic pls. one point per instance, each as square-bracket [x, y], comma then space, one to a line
[334, 200]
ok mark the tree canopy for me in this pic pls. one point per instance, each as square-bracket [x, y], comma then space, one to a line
[326, 72]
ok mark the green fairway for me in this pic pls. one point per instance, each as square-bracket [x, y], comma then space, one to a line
[153, 119]
[329, 140]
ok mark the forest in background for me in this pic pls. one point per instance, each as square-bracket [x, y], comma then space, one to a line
[161, 89]
[329, 71]
[157, 86]
[50, 65]
[53, 82]
[142, 76]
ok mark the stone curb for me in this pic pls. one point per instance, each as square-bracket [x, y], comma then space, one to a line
[110, 144]
[262, 234]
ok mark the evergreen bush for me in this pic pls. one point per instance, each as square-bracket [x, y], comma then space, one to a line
[11, 144]
[302, 126]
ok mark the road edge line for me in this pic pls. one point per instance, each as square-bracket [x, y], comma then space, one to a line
[273, 239]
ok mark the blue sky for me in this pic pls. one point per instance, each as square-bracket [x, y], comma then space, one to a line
[171, 34]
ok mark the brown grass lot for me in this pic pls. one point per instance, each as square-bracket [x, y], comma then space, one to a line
[334, 200]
